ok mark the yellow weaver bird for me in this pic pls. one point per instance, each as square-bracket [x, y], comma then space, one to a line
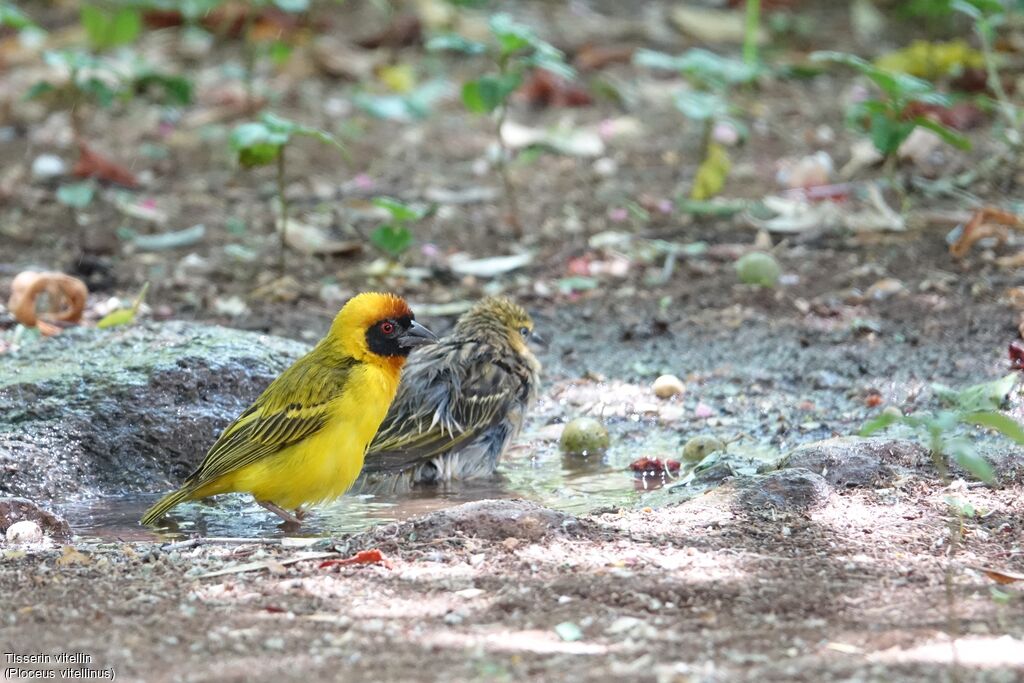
[302, 441]
[460, 403]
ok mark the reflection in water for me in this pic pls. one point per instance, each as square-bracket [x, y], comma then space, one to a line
[535, 470]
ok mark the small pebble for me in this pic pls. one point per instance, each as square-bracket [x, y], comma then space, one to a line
[25, 531]
[46, 166]
[668, 386]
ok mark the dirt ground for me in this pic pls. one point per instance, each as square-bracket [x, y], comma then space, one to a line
[853, 589]
[704, 591]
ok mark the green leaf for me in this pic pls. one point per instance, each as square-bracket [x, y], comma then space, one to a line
[292, 6]
[964, 454]
[888, 134]
[455, 43]
[487, 93]
[122, 316]
[984, 396]
[551, 59]
[392, 240]
[1004, 424]
[14, 17]
[39, 89]
[883, 421]
[399, 211]
[701, 106]
[173, 89]
[704, 66]
[256, 144]
[106, 29]
[898, 86]
[948, 135]
[280, 52]
[76, 195]
[511, 35]
[99, 90]
[961, 507]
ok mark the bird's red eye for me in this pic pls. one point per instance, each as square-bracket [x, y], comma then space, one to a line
[387, 327]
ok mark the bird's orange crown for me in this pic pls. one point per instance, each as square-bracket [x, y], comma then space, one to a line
[361, 312]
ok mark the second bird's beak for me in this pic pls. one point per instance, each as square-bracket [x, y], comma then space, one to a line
[416, 335]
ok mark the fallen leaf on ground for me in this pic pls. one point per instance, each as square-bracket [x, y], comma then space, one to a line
[545, 89]
[712, 173]
[986, 222]
[577, 142]
[66, 295]
[1000, 576]
[92, 164]
[592, 57]
[69, 556]
[403, 31]
[712, 26]
[488, 267]
[373, 556]
[309, 239]
[165, 240]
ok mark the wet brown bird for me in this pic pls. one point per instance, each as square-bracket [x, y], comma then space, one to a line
[459, 404]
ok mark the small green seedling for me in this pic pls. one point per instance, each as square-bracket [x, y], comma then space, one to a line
[98, 82]
[940, 430]
[395, 237]
[277, 51]
[124, 316]
[885, 119]
[513, 50]
[987, 16]
[712, 78]
[262, 143]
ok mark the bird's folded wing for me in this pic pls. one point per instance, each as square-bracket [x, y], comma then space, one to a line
[440, 407]
[266, 428]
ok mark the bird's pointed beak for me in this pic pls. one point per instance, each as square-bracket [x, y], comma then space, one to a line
[416, 335]
[538, 340]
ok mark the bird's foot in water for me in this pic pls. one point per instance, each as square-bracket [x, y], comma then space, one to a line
[289, 518]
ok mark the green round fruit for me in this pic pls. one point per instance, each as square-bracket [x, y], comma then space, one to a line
[699, 447]
[584, 436]
[759, 269]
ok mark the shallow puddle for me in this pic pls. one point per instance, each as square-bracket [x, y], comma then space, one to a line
[535, 469]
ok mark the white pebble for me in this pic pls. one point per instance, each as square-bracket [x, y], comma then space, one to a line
[24, 532]
[606, 166]
[668, 386]
[46, 166]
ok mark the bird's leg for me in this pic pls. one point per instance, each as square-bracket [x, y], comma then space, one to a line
[300, 513]
[281, 512]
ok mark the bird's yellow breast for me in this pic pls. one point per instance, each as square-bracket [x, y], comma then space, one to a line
[323, 466]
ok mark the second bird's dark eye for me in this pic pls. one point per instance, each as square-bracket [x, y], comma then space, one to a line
[387, 328]
[525, 331]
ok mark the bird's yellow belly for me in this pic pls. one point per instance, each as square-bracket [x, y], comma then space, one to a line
[317, 470]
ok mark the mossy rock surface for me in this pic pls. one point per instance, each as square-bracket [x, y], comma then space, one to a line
[93, 412]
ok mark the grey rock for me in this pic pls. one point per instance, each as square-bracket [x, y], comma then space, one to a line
[127, 409]
[853, 461]
[789, 490]
[14, 510]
